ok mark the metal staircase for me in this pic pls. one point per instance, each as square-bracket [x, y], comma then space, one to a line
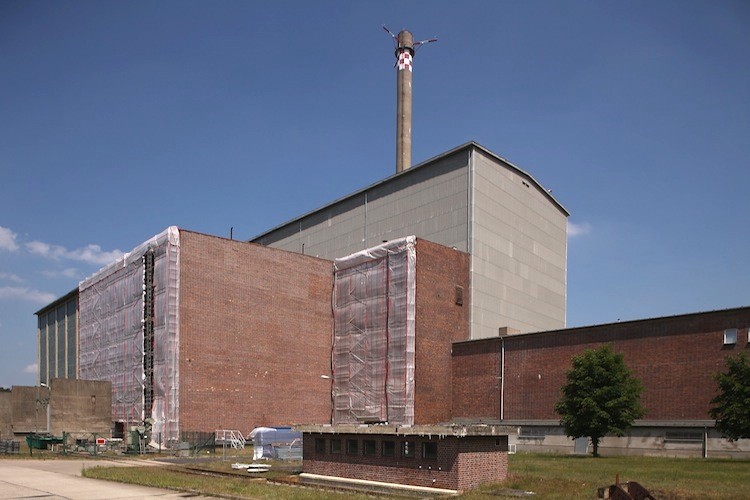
[231, 437]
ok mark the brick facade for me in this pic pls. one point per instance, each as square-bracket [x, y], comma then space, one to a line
[476, 379]
[460, 463]
[675, 357]
[255, 335]
[439, 322]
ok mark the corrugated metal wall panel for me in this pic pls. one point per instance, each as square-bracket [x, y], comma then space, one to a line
[519, 242]
[429, 202]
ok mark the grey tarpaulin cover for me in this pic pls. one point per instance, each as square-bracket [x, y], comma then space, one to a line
[373, 344]
[111, 333]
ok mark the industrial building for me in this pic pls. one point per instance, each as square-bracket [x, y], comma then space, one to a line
[414, 330]
[516, 380]
[436, 296]
[469, 199]
[193, 332]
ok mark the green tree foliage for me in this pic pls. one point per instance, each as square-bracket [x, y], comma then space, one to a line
[732, 405]
[600, 396]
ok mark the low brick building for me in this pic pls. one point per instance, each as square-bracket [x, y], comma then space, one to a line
[452, 457]
[516, 379]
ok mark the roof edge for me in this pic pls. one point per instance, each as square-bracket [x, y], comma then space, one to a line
[465, 146]
[58, 301]
[600, 325]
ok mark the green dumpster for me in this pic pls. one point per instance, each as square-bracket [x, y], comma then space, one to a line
[35, 441]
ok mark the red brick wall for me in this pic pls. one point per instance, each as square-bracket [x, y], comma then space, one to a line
[476, 379]
[675, 358]
[255, 335]
[479, 461]
[462, 463]
[439, 322]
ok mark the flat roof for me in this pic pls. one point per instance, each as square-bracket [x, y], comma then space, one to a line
[57, 302]
[425, 164]
[450, 429]
[601, 325]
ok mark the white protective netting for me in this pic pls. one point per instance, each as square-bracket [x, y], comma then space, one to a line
[111, 334]
[373, 343]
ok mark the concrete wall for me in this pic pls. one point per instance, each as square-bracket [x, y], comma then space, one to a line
[518, 247]
[429, 202]
[255, 335]
[439, 322]
[24, 409]
[81, 406]
[75, 406]
[6, 427]
[675, 357]
[672, 441]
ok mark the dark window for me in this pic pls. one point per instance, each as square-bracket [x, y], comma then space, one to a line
[388, 448]
[730, 336]
[429, 450]
[335, 446]
[320, 446]
[684, 436]
[407, 449]
[459, 295]
[532, 433]
[368, 446]
[352, 446]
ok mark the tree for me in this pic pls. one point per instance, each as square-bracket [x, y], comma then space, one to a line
[732, 405]
[600, 396]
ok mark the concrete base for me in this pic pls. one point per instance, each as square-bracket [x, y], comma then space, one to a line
[371, 486]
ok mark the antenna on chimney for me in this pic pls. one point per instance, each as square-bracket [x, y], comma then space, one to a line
[405, 49]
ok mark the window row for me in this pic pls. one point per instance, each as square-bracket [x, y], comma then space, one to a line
[406, 449]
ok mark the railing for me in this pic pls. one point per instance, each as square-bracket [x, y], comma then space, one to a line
[233, 437]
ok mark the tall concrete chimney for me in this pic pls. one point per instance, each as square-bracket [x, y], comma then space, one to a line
[405, 48]
[404, 59]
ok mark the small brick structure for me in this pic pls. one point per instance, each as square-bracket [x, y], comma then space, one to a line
[453, 457]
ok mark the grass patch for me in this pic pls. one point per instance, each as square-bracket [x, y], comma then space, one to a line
[549, 476]
[567, 476]
[173, 478]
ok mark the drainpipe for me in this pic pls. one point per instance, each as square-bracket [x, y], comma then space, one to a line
[46, 401]
[705, 441]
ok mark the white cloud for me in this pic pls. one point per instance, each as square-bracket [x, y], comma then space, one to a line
[71, 272]
[11, 277]
[578, 229]
[32, 368]
[25, 293]
[91, 254]
[8, 239]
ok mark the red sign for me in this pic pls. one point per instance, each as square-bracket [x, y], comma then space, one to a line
[101, 441]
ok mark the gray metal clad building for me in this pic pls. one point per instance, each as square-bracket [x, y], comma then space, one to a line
[468, 198]
[57, 338]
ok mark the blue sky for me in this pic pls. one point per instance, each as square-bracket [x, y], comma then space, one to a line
[118, 119]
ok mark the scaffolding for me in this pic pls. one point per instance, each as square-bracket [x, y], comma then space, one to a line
[373, 343]
[129, 334]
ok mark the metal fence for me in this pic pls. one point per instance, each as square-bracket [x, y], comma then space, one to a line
[9, 447]
[195, 442]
